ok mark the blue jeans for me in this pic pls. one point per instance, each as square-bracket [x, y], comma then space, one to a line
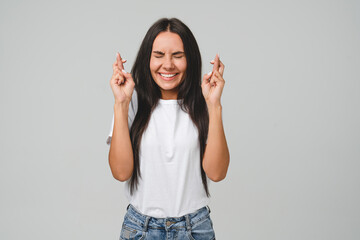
[194, 226]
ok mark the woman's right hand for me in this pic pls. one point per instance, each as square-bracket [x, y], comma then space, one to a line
[122, 83]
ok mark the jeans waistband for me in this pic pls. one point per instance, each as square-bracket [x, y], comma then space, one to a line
[185, 221]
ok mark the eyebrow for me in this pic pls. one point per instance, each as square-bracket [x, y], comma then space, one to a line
[174, 53]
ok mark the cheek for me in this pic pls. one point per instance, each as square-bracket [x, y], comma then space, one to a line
[182, 66]
[154, 65]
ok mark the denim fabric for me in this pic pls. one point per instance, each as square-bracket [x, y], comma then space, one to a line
[194, 226]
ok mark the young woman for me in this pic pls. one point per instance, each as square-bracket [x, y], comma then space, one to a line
[167, 137]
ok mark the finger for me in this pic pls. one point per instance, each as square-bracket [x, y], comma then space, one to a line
[116, 70]
[217, 74]
[121, 78]
[213, 81]
[221, 68]
[115, 79]
[218, 78]
[115, 67]
[206, 78]
[118, 77]
[216, 63]
[127, 76]
[119, 61]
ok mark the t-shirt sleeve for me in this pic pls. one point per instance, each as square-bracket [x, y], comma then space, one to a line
[133, 106]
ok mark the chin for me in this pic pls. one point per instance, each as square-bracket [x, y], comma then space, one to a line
[168, 87]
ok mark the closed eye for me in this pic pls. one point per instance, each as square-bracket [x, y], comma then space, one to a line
[178, 54]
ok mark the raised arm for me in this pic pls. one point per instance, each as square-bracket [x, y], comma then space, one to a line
[216, 157]
[120, 154]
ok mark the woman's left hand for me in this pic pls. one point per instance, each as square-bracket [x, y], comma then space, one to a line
[213, 83]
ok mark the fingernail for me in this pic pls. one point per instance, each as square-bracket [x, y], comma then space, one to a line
[211, 61]
[209, 73]
[123, 71]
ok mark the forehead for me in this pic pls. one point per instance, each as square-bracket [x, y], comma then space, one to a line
[168, 41]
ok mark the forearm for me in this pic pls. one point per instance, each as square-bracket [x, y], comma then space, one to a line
[216, 157]
[120, 153]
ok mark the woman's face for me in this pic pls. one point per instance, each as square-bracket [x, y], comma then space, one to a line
[168, 63]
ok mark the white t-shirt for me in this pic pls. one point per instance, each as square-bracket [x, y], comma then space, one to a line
[171, 184]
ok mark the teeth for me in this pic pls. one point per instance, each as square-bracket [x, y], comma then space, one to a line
[167, 75]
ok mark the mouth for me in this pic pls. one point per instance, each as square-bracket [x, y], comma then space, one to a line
[168, 76]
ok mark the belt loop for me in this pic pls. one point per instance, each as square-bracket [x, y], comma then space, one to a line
[208, 208]
[146, 223]
[188, 226]
[128, 207]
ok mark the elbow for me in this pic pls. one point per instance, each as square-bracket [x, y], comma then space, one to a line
[121, 177]
[216, 173]
[119, 172]
[217, 178]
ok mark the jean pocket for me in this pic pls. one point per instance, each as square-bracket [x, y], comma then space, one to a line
[131, 230]
[202, 230]
[131, 233]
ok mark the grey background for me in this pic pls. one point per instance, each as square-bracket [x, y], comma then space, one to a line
[290, 111]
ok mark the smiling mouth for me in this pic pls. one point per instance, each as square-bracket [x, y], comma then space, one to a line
[168, 77]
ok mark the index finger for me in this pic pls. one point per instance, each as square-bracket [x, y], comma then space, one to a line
[221, 68]
[119, 61]
[216, 63]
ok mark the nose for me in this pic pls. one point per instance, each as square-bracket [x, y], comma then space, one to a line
[168, 63]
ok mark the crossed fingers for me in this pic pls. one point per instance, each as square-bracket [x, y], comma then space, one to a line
[218, 65]
[118, 68]
[118, 65]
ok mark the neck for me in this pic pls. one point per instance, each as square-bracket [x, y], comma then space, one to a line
[169, 95]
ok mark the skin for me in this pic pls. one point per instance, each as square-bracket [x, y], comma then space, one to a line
[216, 157]
[167, 58]
[121, 158]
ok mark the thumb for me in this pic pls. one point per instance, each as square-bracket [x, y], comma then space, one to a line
[129, 83]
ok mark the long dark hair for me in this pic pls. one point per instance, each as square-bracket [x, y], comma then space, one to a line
[149, 93]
